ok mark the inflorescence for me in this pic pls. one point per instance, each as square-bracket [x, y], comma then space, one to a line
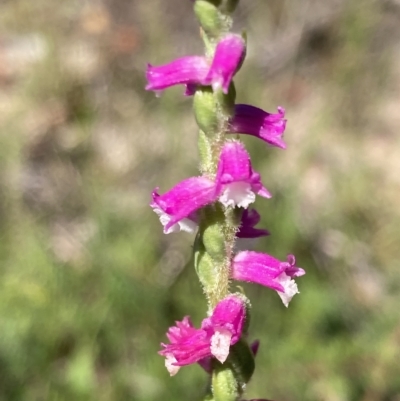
[216, 205]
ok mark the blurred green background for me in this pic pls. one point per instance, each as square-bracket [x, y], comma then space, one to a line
[89, 284]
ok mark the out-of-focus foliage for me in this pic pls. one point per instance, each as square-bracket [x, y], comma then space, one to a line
[89, 284]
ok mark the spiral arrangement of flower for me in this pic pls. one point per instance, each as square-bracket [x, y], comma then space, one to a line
[216, 204]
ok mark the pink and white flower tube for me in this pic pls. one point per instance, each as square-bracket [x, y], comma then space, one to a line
[236, 182]
[268, 271]
[217, 333]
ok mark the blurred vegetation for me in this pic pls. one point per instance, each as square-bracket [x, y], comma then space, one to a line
[89, 284]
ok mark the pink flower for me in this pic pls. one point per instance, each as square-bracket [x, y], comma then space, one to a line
[264, 269]
[251, 120]
[236, 182]
[177, 207]
[196, 70]
[217, 333]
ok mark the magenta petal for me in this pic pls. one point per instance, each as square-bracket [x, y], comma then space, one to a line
[230, 313]
[176, 208]
[183, 329]
[250, 218]
[236, 182]
[189, 349]
[225, 327]
[251, 120]
[187, 344]
[290, 267]
[229, 54]
[189, 70]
